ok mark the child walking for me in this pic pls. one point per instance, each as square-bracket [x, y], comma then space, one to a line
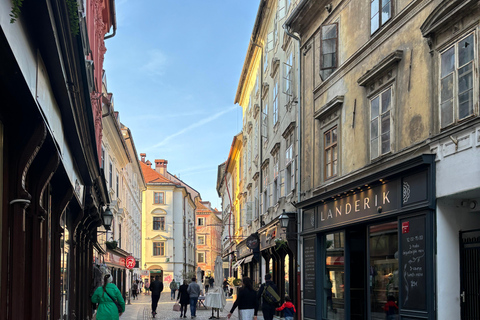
[288, 308]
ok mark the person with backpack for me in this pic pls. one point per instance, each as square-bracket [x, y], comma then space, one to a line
[288, 308]
[134, 290]
[268, 292]
[173, 289]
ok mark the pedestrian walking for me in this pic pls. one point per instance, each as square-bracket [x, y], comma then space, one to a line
[193, 291]
[134, 290]
[268, 307]
[147, 287]
[173, 289]
[246, 301]
[106, 296]
[225, 286]
[211, 280]
[183, 298]
[156, 288]
[288, 309]
[206, 284]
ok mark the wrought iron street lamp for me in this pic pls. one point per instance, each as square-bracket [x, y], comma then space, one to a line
[107, 217]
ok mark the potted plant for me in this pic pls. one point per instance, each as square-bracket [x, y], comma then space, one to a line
[112, 244]
[280, 243]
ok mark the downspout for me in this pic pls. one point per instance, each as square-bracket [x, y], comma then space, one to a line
[185, 239]
[299, 163]
[114, 14]
[260, 155]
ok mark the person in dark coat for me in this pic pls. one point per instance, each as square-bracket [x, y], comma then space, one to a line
[156, 288]
[184, 298]
[246, 302]
[268, 309]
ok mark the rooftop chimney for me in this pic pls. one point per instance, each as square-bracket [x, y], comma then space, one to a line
[142, 157]
[161, 166]
[148, 163]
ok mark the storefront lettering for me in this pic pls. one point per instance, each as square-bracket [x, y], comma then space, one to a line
[336, 211]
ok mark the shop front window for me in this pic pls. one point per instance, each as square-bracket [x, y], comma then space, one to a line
[64, 265]
[383, 248]
[334, 282]
[270, 266]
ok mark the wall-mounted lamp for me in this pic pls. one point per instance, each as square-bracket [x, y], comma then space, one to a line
[107, 217]
[283, 218]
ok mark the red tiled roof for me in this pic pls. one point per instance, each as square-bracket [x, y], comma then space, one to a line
[152, 176]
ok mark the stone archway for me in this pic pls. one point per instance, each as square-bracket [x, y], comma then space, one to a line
[155, 270]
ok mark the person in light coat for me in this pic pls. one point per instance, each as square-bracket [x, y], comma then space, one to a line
[107, 309]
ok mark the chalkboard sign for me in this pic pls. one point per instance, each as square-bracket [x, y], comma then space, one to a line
[309, 255]
[413, 263]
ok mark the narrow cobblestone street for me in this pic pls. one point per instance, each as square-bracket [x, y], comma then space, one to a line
[140, 309]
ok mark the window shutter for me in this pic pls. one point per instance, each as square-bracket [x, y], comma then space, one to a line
[270, 38]
[249, 216]
[282, 184]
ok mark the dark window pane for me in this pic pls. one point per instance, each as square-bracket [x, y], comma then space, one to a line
[446, 113]
[328, 61]
[374, 108]
[334, 135]
[465, 50]
[327, 139]
[465, 104]
[329, 31]
[329, 170]
[329, 46]
[324, 74]
[386, 98]
[386, 11]
[334, 168]
[374, 128]
[448, 62]
[446, 88]
[328, 155]
[386, 122]
[465, 78]
[385, 142]
[334, 150]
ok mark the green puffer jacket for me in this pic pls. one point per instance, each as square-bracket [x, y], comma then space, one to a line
[107, 310]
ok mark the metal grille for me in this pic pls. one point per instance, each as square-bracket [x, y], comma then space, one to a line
[470, 279]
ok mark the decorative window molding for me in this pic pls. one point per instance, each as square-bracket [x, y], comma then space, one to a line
[275, 66]
[265, 89]
[377, 71]
[265, 163]
[289, 130]
[256, 110]
[275, 148]
[255, 176]
[445, 13]
[330, 106]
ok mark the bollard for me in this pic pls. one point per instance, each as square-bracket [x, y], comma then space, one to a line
[128, 296]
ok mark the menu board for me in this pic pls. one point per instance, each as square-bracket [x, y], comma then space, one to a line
[309, 268]
[413, 240]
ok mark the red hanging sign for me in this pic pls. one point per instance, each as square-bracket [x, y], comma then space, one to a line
[130, 262]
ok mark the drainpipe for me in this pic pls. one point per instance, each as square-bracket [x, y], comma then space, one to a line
[114, 14]
[299, 163]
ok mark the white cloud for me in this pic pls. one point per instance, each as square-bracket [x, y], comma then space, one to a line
[156, 117]
[193, 126]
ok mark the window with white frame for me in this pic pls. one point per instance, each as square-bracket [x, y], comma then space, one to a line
[380, 13]
[103, 158]
[159, 248]
[110, 174]
[265, 120]
[265, 62]
[201, 257]
[380, 123]
[289, 164]
[249, 153]
[117, 187]
[331, 153]
[288, 77]
[200, 221]
[457, 81]
[275, 102]
[257, 83]
[276, 182]
[201, 240]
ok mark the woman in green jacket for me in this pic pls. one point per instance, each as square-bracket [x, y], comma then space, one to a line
[107, 309]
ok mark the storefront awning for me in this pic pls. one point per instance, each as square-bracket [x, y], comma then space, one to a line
[237, 264]
[248, 259]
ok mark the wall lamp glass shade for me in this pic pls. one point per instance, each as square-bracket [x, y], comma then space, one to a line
[283, 220]
[107, 217]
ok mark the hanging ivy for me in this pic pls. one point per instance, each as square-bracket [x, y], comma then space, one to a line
[15, 13]
[72, 6]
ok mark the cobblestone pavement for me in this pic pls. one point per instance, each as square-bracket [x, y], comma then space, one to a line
[140, 309]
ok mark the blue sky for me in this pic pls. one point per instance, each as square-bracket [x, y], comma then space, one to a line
[173, 68]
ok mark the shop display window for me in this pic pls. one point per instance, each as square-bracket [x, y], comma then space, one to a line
[334, 282]
[383, 273]
[287, 272]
